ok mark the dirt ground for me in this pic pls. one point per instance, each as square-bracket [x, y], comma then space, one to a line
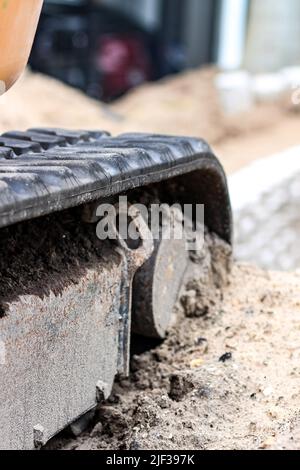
[228, 380]
[186, 104]
[226, 377]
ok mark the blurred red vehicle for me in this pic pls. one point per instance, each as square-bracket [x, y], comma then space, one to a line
[124, 63]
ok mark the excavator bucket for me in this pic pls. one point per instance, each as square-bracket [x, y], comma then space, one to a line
[18, 23]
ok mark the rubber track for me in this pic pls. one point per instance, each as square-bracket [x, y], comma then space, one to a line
[48, 170]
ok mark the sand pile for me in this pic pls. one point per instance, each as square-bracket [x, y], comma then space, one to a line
[37, 100]
[185, 104]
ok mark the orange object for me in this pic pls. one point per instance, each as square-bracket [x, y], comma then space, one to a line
[18, 23]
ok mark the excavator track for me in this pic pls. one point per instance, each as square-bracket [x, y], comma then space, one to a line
[48, 170]
[65, 318]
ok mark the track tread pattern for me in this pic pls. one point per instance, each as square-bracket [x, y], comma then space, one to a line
[48, 170]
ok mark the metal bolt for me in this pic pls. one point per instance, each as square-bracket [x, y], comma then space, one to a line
[102, 391]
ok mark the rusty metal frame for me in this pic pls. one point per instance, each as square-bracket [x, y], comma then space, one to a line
[63, 352]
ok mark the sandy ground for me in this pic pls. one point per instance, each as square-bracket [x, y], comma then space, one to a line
[228, 380]
[243, 149]
[185, 104]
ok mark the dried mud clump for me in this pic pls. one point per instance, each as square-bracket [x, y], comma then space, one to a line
[208, 275]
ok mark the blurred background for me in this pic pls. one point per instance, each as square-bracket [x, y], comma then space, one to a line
[106, 47]
[227, 71]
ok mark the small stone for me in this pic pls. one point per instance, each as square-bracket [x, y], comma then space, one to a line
[97, 431]
[193, 305]
[249, 311]
[135, 445]
[179, 386]
[163, 402]
[113, 419]
[272, 413]
[267, 391]
[200, 341]
[147, 411]
[252, 427]
[203, 392]
[195, 363]
[267, 443]
[225, 357]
